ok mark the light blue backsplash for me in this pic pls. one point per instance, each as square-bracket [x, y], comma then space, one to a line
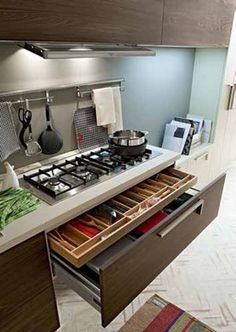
[207, 82]
[157, 89]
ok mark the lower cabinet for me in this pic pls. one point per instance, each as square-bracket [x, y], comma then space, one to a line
[200, 166]
[27, 300]
[112, 270]
[113, 278]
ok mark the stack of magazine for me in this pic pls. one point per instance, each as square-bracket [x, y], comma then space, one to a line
[184, 134]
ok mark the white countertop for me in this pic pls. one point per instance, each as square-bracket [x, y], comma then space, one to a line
[47, 217]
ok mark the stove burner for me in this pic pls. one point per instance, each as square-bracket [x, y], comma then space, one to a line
[54, 181]
[82, 171]
[108, 160]
[105, 154]
[56, 186]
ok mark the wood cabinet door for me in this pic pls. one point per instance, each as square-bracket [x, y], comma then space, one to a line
[225, 134]
[230, 67]
[198, 22]
[229, 140]
[27, 300]
[103, 21]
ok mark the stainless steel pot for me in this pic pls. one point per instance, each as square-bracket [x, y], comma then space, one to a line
[128, 137]
[129, 151]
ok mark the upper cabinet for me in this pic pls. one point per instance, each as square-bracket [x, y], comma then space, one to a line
[101, 21]
[198, 22]
[192, 23]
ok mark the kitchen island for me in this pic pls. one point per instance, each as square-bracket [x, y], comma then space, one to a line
[26, 276]
[107, 281]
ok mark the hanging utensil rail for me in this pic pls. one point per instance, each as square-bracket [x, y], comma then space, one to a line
[86, 88]
[80, 88]
[27, 100]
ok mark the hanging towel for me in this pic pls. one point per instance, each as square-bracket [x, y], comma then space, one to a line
[118, 125]
[8, 138]
[105, 107]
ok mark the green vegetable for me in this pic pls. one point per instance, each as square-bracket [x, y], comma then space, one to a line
[15, 203]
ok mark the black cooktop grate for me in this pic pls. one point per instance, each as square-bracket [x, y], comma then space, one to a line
[81, 171]
[65, 176]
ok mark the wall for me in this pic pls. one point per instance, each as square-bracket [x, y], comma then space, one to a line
[157, 88]
[208, 74]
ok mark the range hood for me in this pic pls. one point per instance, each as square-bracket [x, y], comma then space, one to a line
[76, 50]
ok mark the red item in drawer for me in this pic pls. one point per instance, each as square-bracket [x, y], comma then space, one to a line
[150, 223]
[87, 230]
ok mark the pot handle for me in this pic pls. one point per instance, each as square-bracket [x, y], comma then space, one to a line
[110, 138]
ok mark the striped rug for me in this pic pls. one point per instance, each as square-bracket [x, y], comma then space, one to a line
[157, 315]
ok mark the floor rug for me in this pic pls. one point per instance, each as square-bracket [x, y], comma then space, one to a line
[158, 315]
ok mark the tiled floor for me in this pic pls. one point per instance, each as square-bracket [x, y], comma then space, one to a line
[202, 280]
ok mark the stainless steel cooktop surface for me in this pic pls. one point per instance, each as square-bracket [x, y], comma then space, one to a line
[68, 177]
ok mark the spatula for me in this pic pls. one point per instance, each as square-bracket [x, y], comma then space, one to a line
[50, 139]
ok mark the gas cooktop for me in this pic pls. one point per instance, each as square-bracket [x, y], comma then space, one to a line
[71, 176]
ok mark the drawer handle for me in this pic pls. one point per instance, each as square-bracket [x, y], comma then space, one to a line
[202, 156]
[230, 103]
[197, 207]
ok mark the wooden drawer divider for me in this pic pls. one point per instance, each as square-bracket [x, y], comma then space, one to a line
[138, 203]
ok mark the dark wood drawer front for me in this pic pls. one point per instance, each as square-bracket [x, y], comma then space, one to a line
[103, 21]
[27, 300]
[125, 276]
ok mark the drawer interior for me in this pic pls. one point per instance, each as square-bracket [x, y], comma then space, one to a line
[83, 238]
[129, 240]
[86, 279]
[112, 279]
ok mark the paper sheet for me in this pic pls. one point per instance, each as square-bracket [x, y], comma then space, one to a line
[175, 136]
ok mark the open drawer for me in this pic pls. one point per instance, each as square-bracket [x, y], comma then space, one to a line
[116, 276]
[74, 240]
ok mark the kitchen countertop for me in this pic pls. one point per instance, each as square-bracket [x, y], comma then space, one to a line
[47, 217]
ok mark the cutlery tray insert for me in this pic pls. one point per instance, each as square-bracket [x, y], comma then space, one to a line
[83, 238]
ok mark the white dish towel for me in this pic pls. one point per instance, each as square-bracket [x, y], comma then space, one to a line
[105, 107]
[118, 125]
